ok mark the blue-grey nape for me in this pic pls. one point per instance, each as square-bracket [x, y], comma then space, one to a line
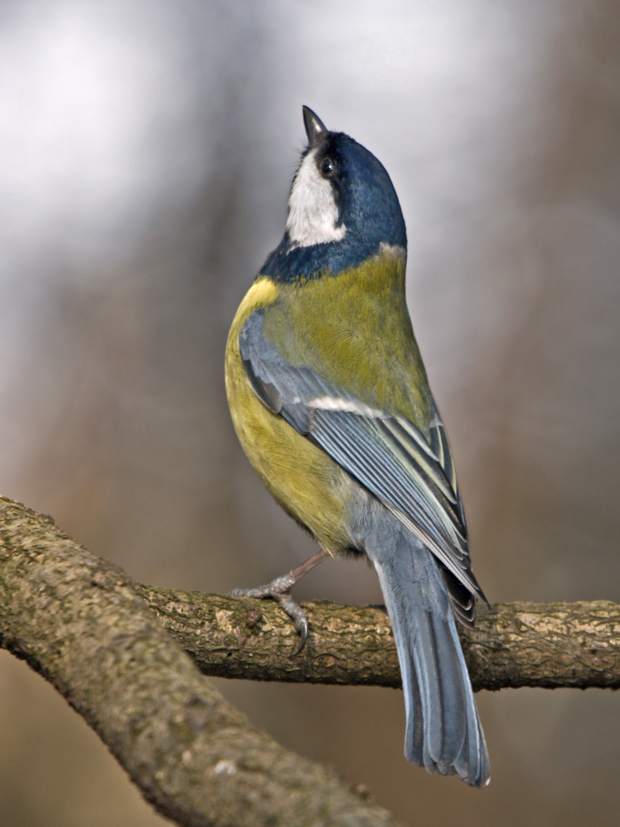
[287, 263]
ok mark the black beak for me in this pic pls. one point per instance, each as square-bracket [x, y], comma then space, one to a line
[315, 128]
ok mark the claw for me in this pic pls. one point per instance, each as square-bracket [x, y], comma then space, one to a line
[303, 634]
[299, 617]
[279, 589]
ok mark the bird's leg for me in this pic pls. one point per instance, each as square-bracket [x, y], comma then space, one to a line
[279, 590]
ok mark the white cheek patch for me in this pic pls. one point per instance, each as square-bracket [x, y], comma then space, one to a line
[312, 210]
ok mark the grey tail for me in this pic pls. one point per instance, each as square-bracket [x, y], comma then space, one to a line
[443, 729]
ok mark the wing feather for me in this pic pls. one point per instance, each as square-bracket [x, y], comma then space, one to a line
[413, 476]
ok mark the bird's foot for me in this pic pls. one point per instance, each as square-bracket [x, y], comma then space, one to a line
[279, 590]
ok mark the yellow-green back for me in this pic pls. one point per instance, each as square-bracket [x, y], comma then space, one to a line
[354, 330]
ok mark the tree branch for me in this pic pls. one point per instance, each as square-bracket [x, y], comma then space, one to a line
[548, 645]
[78, 621]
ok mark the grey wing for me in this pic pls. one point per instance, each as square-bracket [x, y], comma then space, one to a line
[414, 478]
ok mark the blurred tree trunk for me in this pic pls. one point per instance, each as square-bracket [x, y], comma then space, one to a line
[107, 645]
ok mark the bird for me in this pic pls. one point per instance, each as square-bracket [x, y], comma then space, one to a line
[330, 400]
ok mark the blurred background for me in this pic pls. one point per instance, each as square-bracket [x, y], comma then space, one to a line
[146, 149]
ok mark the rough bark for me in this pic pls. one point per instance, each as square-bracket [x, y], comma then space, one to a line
[106, 645]
[78, 621]
[547, 645]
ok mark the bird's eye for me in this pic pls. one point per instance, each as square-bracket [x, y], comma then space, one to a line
[328, 167]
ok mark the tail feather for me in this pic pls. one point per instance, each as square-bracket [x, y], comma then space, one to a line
[445, 698]
[443, 730]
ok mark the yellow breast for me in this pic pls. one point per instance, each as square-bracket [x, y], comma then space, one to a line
[306, 482]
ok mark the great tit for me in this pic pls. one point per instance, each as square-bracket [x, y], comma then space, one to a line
[330, 401]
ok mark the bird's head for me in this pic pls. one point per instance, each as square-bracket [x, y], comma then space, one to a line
[342, 208]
